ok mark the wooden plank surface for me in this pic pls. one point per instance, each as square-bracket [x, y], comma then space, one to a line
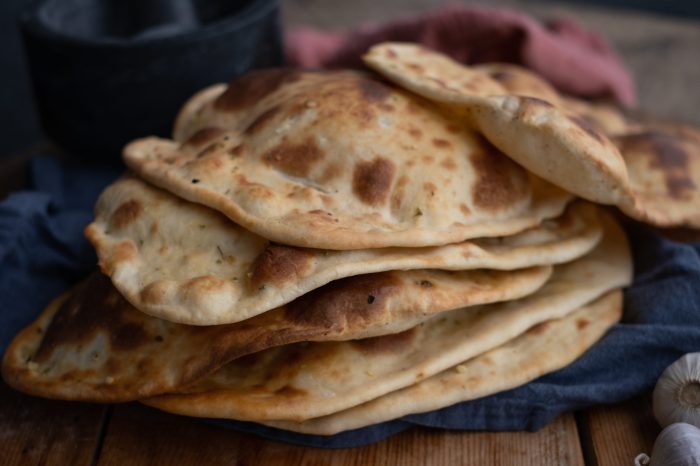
[35, 431]
[615, 435]
[138, 435]
[557, 444]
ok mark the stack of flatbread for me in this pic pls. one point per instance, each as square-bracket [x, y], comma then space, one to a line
[321, 251]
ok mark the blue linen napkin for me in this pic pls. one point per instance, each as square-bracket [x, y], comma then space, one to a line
[42, 248]
[43, 252]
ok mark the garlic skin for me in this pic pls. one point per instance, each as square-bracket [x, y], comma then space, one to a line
[677, 445]
[677, 392]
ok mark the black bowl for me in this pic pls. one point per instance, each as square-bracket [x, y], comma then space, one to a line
[108, 71]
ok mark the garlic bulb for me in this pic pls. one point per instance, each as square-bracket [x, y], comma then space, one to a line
[676, 445]
[677, 392]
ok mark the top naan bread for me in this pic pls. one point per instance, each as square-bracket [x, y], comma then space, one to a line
[552, 142]
[341, 160]
[529, 130]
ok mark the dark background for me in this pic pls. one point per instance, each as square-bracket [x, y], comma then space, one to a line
[20, 128]
[19, 125]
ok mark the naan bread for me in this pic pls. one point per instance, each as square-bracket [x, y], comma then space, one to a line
[563, 149]
[309, 380]
[93, 345]
[531, 131]
[184, 262]
[664, 167]
[544, 348]
[341, 160]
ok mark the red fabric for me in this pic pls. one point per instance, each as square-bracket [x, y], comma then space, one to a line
[573, 59]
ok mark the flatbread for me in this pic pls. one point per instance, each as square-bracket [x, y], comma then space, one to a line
[186, 263]
[544, 348]
[563, 149]
[91, 344]
[529, 130]
[341, 160]
[664, 167]
[308, 380]
[556, 144]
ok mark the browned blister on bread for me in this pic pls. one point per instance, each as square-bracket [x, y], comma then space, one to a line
[664, 167]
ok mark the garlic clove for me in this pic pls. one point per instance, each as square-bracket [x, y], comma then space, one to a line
[677, 445]
[677, 392]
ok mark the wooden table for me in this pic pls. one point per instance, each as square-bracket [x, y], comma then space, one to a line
[35, 431]
[662, 54]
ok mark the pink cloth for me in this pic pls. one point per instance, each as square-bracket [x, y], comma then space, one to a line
[573, 59]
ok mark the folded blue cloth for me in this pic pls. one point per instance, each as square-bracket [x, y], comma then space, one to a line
[43, 252]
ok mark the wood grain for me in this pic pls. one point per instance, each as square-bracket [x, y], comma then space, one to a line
[35, 431]
[615, 435]
[555, 444]
[138, 436]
